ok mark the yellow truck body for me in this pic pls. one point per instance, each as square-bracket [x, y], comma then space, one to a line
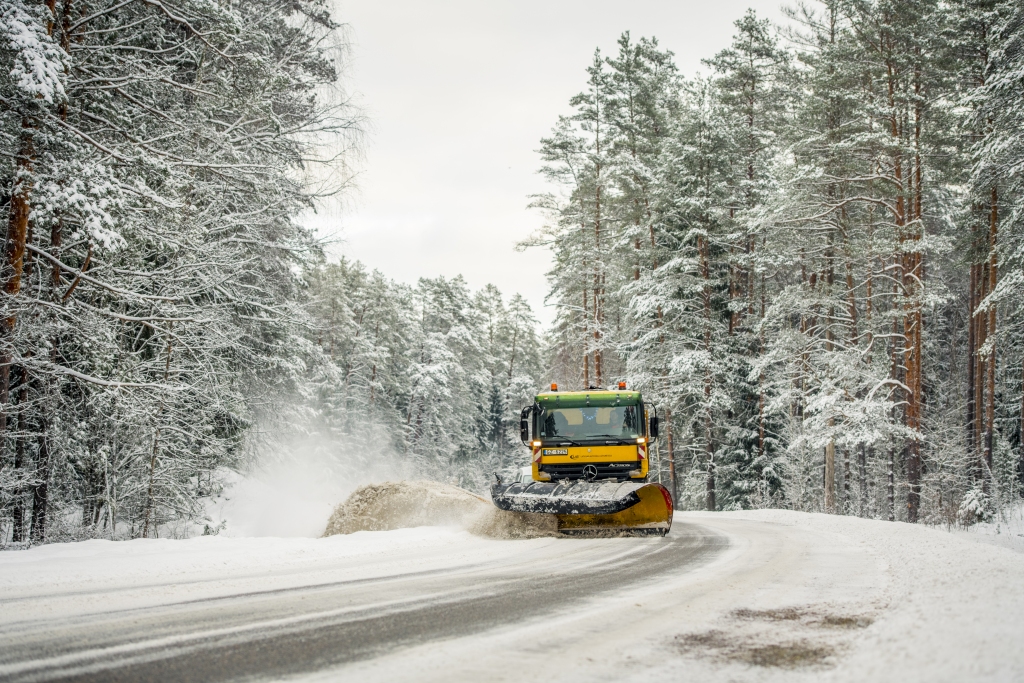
[590, 460]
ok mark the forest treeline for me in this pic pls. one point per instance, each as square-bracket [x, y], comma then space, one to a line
[165, 316]
[431, 377]
[809, 257]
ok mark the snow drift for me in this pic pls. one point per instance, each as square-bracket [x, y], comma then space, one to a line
[398, 505]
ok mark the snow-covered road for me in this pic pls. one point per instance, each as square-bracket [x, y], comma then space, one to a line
[759, 596]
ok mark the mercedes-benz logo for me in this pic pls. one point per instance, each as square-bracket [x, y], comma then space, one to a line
[589, 472]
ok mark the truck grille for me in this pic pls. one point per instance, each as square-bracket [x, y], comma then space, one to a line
[605, 470]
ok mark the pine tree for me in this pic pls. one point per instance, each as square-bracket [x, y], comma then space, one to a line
[151, 302]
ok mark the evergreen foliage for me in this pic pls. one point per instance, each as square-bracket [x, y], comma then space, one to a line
[828, 310]
[811, 259]
[164, 315]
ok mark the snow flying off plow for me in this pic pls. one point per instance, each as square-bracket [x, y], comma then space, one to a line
[589, 464]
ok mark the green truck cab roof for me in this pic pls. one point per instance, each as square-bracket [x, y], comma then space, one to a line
[599, 398]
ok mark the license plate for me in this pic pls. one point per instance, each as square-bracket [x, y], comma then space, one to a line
[556, 451]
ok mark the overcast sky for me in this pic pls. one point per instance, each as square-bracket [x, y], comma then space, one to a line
[459, 94]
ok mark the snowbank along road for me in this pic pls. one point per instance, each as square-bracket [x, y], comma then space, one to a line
[737, 596]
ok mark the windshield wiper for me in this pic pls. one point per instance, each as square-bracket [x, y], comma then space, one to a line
[595, 441]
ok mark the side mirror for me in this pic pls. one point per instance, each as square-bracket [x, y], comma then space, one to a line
[654, 427]
[524, 426]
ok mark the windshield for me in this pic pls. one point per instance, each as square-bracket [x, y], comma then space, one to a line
[620, 422]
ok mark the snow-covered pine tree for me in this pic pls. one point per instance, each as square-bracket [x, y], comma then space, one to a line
[583, 233]
[751, 81]
[150, 286]
[997, 173]
[824, 233]
[691, 288]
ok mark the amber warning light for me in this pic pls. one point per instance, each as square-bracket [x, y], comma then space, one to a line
[554, 387]
[622, 385]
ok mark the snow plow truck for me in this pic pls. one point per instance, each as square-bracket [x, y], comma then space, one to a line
[590, 459]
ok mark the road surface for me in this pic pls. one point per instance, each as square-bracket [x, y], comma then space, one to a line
[720, 598]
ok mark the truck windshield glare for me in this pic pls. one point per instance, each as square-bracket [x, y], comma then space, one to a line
[620, 422]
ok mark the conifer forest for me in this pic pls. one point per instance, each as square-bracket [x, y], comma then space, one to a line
[809, 256]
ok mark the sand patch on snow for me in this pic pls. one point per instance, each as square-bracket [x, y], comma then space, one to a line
[404, 504]
[798, 637]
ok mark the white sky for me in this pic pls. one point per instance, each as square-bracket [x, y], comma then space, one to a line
[459, 93]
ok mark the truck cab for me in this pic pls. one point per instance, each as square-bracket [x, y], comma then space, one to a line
[591, 435]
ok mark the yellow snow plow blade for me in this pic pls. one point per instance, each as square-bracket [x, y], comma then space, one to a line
[591, 507]
[652, 515]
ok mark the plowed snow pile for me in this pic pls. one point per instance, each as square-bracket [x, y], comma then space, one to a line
[403, 504]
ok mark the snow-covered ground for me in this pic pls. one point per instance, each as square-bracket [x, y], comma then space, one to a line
[792, 596]
[1006, 530]
[797, 597]
[947, 607]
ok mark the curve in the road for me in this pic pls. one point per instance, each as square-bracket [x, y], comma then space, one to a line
[267, 640]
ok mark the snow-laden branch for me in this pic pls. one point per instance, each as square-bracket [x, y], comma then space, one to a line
[58, 369]
[86, 278]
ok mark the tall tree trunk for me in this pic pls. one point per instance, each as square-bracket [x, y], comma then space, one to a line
[846, 482]
[760, 381]
[734, 288]
[830, 475]
[972, 363]
[990, 393]
[896, 350]
[586, 342]
[830, 447]
[980, 373]
[869, 294]
[671, 456]
[150, 501]
[851, 292]
[18, 510]
[702, 248]
[1020, 466]
[14, 254]
[862, 480]
[710, 484]
[17, 237]
[913, 283]
[598, 260]
[800, 380]
[41, 491]
[891, 485]
[512, 357]
[373, 371]
[732, 291]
